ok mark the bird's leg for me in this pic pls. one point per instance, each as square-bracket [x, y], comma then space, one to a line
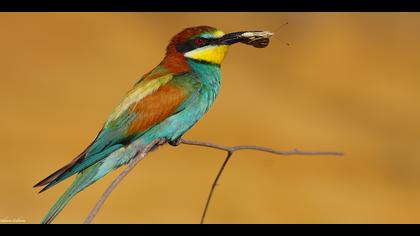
[175, 142]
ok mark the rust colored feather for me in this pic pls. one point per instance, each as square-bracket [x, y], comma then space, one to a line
[156, 107]
[175, 61]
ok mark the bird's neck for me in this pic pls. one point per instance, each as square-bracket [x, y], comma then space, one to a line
[209, 74]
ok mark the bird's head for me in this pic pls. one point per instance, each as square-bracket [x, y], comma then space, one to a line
[205, 44]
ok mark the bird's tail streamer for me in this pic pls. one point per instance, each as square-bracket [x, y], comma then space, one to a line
[76, 187]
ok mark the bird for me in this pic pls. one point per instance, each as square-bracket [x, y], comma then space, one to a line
[163, 104]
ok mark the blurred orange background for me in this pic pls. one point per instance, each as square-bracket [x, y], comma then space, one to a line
[349, 82]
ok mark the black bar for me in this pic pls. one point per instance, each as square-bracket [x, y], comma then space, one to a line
[209, 5]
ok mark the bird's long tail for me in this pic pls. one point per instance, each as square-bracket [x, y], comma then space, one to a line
[93, 173]
[82, 181]
[76, 186]
[88, 177]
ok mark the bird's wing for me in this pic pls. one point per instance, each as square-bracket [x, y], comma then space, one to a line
[154, 98]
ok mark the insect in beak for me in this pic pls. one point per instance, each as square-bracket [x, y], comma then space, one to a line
[258, 39]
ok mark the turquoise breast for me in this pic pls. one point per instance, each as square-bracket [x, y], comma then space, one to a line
[207, 79]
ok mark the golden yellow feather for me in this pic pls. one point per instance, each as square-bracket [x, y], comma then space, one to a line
[212, 53]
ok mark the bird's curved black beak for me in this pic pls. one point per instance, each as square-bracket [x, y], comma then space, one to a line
[244, 37]
[229, 39]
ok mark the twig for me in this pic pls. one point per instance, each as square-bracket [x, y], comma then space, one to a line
[214, 185]
[231, 150]
[120, 177]
[258, 148]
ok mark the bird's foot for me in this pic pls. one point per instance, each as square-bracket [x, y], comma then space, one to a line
[175, 142]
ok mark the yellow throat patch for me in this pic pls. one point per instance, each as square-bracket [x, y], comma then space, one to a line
[212, 53]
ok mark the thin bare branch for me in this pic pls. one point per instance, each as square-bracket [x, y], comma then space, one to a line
[120, 177]
[258, 148]
[231, 150]
[215, 183]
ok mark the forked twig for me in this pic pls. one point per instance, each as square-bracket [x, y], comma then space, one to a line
[229, 150]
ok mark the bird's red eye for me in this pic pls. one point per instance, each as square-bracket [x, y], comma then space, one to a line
[199, 41]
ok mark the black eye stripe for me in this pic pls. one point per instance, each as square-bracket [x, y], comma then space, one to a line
[184, 47]
[191, 45]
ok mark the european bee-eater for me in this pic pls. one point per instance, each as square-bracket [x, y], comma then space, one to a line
[164, 103]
